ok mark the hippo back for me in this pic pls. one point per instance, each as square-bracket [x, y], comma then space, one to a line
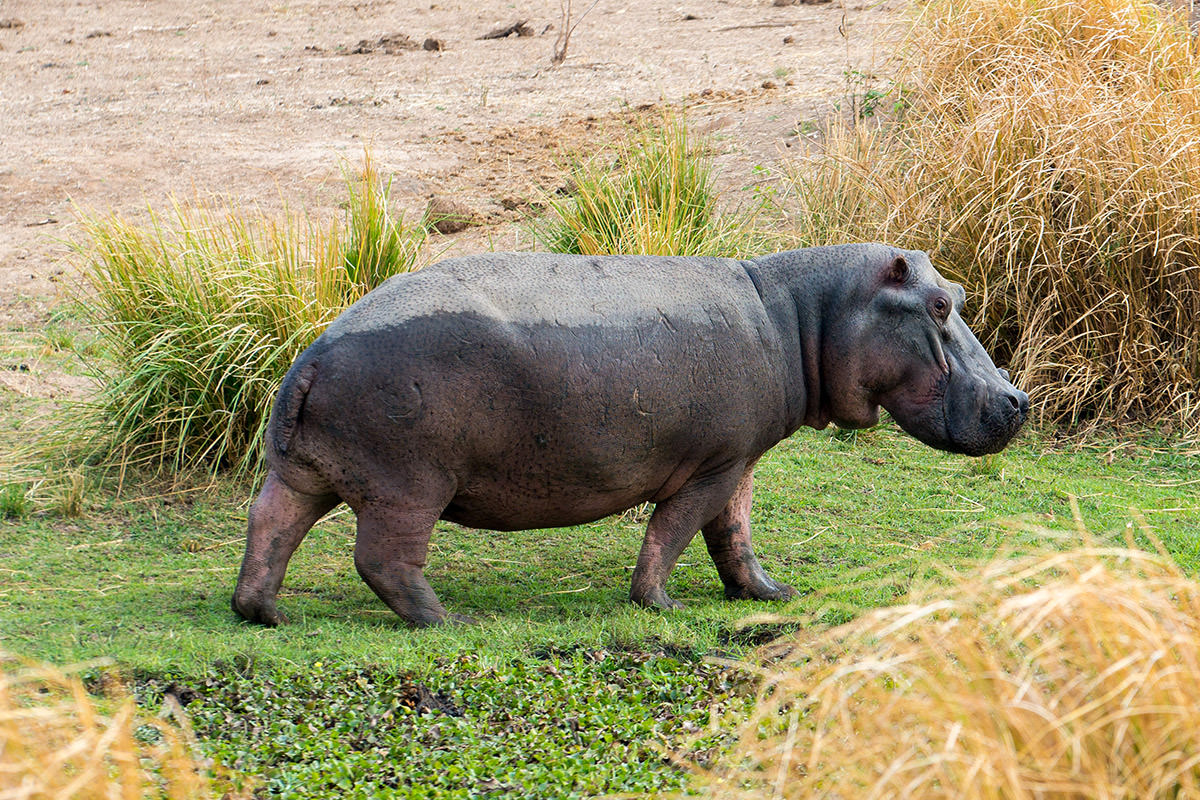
[548, 288]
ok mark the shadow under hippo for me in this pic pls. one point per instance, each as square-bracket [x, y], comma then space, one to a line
[513, 391]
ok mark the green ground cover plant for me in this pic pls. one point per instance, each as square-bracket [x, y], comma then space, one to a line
[582, 724]
[1045, 154]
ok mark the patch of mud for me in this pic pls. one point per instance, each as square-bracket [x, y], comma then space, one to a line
[422, 699]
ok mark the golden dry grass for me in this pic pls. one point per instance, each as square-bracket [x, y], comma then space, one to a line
[56, 743]
[1069, 675]
[1048, 156]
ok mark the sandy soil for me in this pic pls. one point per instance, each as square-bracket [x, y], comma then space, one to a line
[120, 105]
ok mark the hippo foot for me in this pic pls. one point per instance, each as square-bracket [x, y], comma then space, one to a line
[768, 590]
[657, 599]
[434, 618]
[258, 610]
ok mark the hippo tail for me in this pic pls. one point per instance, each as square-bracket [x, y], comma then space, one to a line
[289, 405]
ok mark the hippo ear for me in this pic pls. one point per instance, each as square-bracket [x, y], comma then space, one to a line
[897, 271]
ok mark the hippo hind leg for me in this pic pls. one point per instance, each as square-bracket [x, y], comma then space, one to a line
[279, 519]
[390, 553]
[727, 538]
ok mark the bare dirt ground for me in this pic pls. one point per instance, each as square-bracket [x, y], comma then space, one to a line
[121, 105]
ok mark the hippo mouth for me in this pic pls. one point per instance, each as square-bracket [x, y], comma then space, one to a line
[972, 418]
[983, 418]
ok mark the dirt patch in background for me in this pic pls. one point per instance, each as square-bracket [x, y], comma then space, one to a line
[119, 106]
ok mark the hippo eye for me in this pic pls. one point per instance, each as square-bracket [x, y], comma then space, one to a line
[941, 307]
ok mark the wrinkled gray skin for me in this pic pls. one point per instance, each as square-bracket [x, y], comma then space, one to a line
[518, 391]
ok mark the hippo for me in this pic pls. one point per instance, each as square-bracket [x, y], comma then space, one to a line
[514, 391]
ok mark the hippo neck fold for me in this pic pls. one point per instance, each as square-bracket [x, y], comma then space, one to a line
[794, 292]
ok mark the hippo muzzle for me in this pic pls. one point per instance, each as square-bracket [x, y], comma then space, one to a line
[981, 414]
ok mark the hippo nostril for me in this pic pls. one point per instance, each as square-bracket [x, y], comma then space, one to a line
[1019, 401]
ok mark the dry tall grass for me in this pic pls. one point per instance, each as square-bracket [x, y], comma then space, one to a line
[1048, 158]
[55, 743]
[1072, 675]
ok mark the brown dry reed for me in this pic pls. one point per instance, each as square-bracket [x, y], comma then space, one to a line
[1065, 676]
[56, 743]
[1047, 154]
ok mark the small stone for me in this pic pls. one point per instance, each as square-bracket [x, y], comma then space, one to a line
[433, 45]
[789, 39]
[448, 216]
[391, 44]
[768, 84]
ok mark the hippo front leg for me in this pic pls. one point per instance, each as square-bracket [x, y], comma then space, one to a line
[727, 537]
[672, 526]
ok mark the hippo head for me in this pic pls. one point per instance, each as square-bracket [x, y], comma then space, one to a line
[902, 344]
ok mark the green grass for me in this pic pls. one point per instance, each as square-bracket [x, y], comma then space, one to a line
[14, 499]
[200, 313]
[657, 197]
[560, 659]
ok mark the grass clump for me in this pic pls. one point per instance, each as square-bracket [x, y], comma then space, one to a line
[55, 742]
[200, 314]
[1049, 158]
[1075, 674]
[14, 500]
[658, 198]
